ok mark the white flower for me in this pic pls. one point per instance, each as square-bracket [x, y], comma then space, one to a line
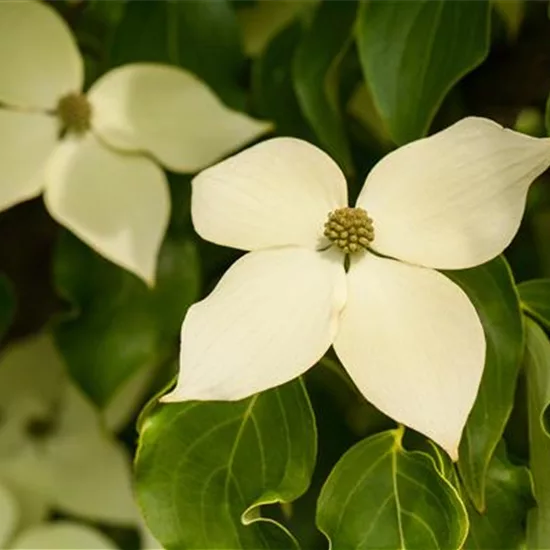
[55, 453]
[408, 336]
[56, 535]
[91, 154]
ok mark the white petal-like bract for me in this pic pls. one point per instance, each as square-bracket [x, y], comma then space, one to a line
[26, 142]
[414, 345]
[9, 516]
[455, 199]
[117, 203]
[63, 535]
[169, 113]
[276, 193]
[39, 59]
[272, 316]
[90, 471]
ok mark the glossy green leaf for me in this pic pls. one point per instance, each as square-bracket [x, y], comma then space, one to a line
[381, 496]
[443, 463]
[7, 305]
[315, 75]
[508, 498]
[118, 325]
[200, 36]
[537, 368]
[535, 299]
[272, 89]
[509, 495]
[492, 291]
[414, 52]
[203, 469]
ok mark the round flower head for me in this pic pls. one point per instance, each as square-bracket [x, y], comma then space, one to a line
[408, 336]
[93, 155]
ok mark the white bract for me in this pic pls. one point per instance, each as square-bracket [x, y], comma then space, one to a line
[408, 336]
[56, 535]
[9, 516]
[92, 155]
[62, 535]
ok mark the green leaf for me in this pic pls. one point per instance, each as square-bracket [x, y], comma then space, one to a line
[109, 12]
[414, 52]
[512, 14]
[509, 495]
[535, 299]
[381, 496]
[201, 36]
[203, 469]
[537, 368]
[492, 291]
[260, 22]
[508, 498]
[118, 325]
[7, 305]
[315, 75]
[272, 90]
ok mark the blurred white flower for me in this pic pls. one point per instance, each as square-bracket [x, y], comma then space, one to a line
[62, 535]
[408, 336]
[92, 154]
[55, 453]
[56, 535]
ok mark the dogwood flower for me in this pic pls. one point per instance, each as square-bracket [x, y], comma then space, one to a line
[55, 453]
[407, 335]
[92, 154]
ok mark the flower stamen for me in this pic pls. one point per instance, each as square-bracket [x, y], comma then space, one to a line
[75, 113]
[350, 229]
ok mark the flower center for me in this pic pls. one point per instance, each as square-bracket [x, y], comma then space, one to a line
[350, 229]
[75, 113]
[40, 428]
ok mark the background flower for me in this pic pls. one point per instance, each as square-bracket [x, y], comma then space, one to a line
[55, 451]
[91, 153]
